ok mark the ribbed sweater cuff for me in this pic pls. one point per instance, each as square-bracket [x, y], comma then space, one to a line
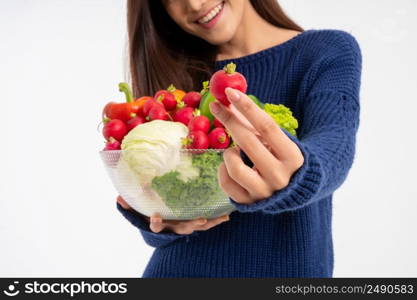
[151, 238]
[302, 188]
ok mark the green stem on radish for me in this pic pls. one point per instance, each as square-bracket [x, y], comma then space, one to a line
[171, 88]
[196, 112]
[230, 68]
[185, 141]
[180, 104]
[205, 87]
[160, 98]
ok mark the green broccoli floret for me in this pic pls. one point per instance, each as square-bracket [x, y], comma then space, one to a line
[282, 116]
[200, 191]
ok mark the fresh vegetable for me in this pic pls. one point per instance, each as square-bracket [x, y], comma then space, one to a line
[199, 122]
[192, 99]
[184, 115]
[219, 139]
[116, 129]
[206, 88]
[256, 100]
[198, 191]
[228, 77]
[217, 123]
[141, 102]
[157, 113]
[153, 135]
[153, 148]
[112, 144]
[179, 94]
[132, 123]
[167, 99]
[204, 105]
[122, 111]
[282, 115]
[196, 140]
[149, 105]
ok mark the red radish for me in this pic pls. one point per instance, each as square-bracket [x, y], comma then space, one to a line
[217, 123]
[199, 123]
[192, 99]
[148, 105]
[228, 77]
[167, 99]
[157, 113]
[106, 110]
[112, 144]
[159, 93]
[219, 139]
[196, 140]
[132, 123]
[184, 115]
[116, 129]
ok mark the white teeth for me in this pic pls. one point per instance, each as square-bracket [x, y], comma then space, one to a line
[211, 14]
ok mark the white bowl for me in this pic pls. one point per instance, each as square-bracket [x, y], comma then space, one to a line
[174, 194]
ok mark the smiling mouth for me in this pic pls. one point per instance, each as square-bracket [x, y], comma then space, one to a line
[211, 15]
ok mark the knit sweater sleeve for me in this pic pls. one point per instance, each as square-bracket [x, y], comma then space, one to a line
[329, 119]
[155, 240]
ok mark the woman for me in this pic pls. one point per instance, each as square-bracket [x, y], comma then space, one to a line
[283, 194]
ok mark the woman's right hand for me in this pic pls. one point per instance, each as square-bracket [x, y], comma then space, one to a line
[156, 224]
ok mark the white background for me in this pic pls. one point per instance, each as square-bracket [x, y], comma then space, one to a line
[60, 62]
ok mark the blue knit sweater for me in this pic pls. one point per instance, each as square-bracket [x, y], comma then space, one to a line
[317, 75]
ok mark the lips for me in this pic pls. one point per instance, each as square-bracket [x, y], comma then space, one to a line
[211, 14]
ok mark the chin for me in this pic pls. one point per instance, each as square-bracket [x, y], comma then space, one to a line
[217, 41]
[219, 37]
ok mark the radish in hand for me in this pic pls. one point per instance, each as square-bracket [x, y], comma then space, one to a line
[228, 77]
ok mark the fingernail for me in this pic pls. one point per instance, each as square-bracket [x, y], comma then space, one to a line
[214, 107]
[232, 94]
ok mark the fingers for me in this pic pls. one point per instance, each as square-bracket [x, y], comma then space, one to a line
[156, 224]
[263, 123]
[213, 222]
[246, 139]
[184, 227]
[243, 119]
[258, 182]
[231, 187]
[122, 203]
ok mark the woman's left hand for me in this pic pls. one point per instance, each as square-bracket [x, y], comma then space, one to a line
[274, 155]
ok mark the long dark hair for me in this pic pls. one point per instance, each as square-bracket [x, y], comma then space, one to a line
[161, 53]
